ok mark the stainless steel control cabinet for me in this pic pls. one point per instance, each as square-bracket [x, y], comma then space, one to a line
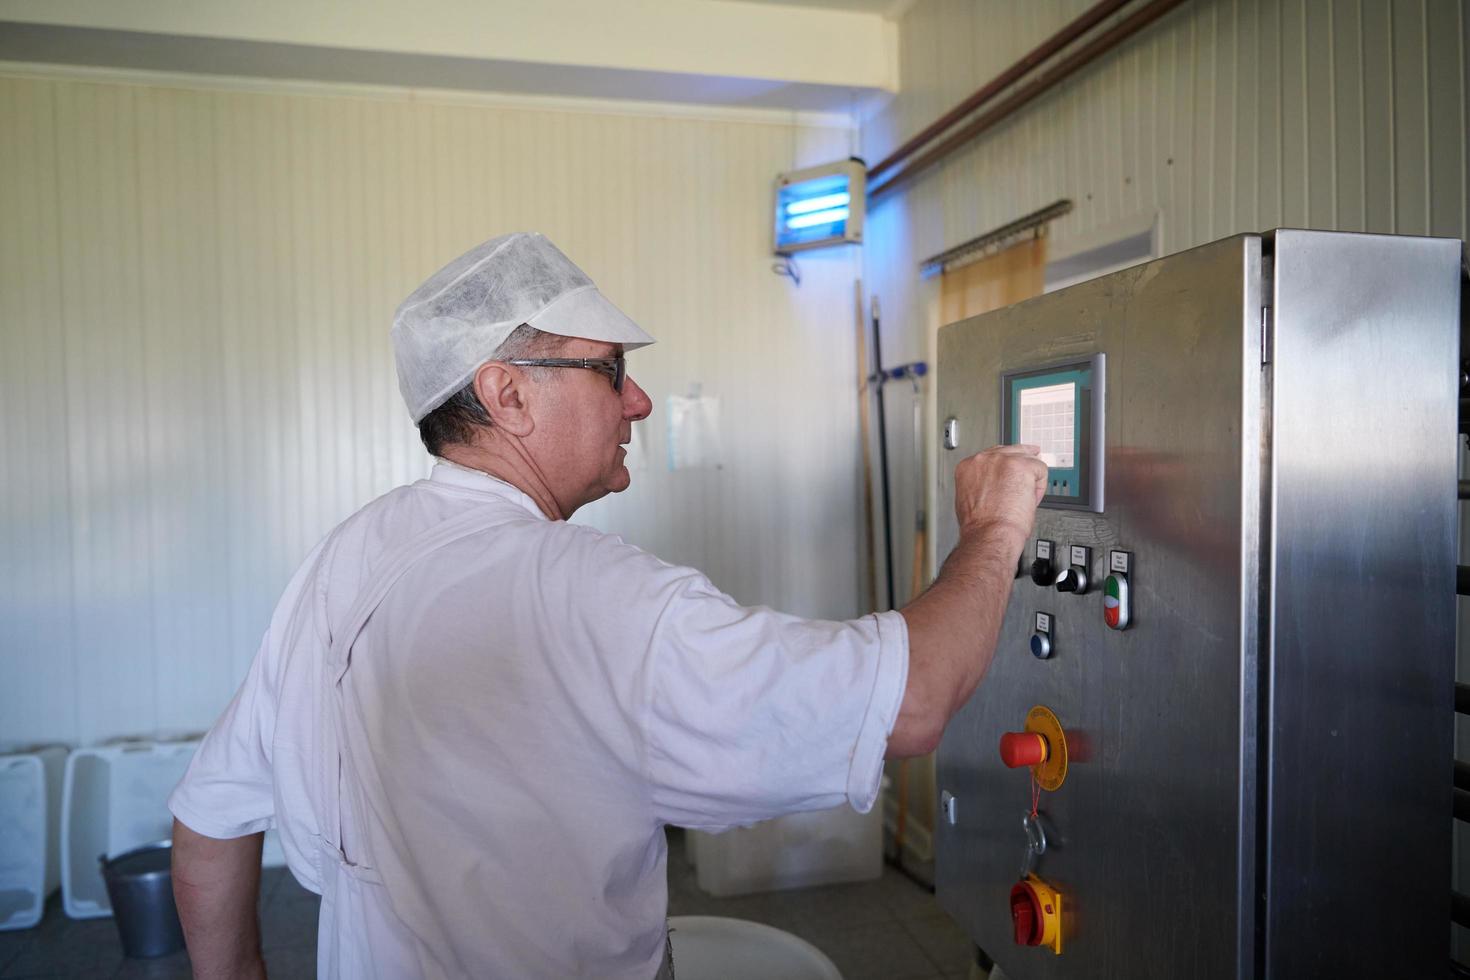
[1259, 778]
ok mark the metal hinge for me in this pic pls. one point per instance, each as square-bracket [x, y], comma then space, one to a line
[1267, 335]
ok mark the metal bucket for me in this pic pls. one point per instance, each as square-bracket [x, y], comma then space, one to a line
[141, 890]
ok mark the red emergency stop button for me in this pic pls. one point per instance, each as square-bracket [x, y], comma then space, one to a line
[1023, 749]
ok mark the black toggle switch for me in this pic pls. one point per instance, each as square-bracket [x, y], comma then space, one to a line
[1042, 572]
[1074, 578]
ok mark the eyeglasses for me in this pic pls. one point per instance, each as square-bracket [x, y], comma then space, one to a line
[612, 368]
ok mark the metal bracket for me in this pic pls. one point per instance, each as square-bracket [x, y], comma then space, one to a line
[786, 266]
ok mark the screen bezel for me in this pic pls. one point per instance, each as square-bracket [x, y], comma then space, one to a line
[1090, 376]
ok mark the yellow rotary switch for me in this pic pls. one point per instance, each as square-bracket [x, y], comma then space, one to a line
[1036, 913]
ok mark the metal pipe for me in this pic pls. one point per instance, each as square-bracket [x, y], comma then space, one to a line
[883, 457]
[1099, 46]
[865, 427]
[1079, 26]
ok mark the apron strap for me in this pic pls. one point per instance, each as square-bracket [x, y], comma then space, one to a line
[332, 729]
[666, 968]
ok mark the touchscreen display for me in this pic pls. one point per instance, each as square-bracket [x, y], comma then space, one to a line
[1047, 420]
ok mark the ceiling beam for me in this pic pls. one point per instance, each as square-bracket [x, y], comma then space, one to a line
[725, 51]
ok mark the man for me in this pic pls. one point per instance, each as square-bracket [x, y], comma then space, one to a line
[470, 720]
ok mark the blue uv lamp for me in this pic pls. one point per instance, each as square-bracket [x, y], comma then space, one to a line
[820, 206]
[1059, 407]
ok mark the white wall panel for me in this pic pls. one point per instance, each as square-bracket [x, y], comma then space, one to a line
[196, 286]
[1225, 116]
[35, 506]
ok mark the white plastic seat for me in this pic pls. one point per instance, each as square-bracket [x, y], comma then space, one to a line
[708, 947]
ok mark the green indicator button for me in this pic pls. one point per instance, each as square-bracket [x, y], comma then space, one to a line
[1115, 601]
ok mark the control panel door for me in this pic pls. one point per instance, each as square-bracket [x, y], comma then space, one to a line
[1094, 785]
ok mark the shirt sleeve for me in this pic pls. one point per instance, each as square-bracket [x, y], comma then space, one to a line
[755, 713]
[227, 790]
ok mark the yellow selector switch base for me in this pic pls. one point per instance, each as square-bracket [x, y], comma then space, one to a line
[1036, 913]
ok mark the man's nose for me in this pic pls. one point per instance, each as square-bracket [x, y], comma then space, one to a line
[636, 403]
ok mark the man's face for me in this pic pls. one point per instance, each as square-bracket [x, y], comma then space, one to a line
[584, 426]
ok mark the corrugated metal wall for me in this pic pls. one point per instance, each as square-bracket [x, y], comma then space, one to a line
[196, 284]
[1223, 117]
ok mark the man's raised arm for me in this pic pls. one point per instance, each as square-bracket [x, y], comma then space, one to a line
[954, 625]
[216, 887]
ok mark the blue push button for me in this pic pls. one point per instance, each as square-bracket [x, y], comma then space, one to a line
[1041, 639]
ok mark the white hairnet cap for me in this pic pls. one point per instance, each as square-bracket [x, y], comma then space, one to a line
[454, 322]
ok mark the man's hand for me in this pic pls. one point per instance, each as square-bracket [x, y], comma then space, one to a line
[216, 887]
[1002, 485]
[954, 625]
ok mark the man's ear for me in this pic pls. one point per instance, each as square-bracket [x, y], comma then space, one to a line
[502, 390]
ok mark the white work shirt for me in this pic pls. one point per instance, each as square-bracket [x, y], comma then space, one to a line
[522, 714]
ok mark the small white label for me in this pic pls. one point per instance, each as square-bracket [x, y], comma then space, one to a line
[1043, 550]
[1079, 555]
[1118, 562]
[1043, 622]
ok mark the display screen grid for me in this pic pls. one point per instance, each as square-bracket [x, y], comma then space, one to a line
[1048, 420]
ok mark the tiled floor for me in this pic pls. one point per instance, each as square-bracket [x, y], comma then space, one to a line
[889, 929]
[88, 949]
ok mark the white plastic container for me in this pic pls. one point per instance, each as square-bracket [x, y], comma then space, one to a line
[30, 818]
[114, 799]
[818, 848]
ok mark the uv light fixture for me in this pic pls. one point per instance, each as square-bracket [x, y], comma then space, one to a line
[820, 206]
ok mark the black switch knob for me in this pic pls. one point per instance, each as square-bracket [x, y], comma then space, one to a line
[1041, 572]
[1073, 580]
